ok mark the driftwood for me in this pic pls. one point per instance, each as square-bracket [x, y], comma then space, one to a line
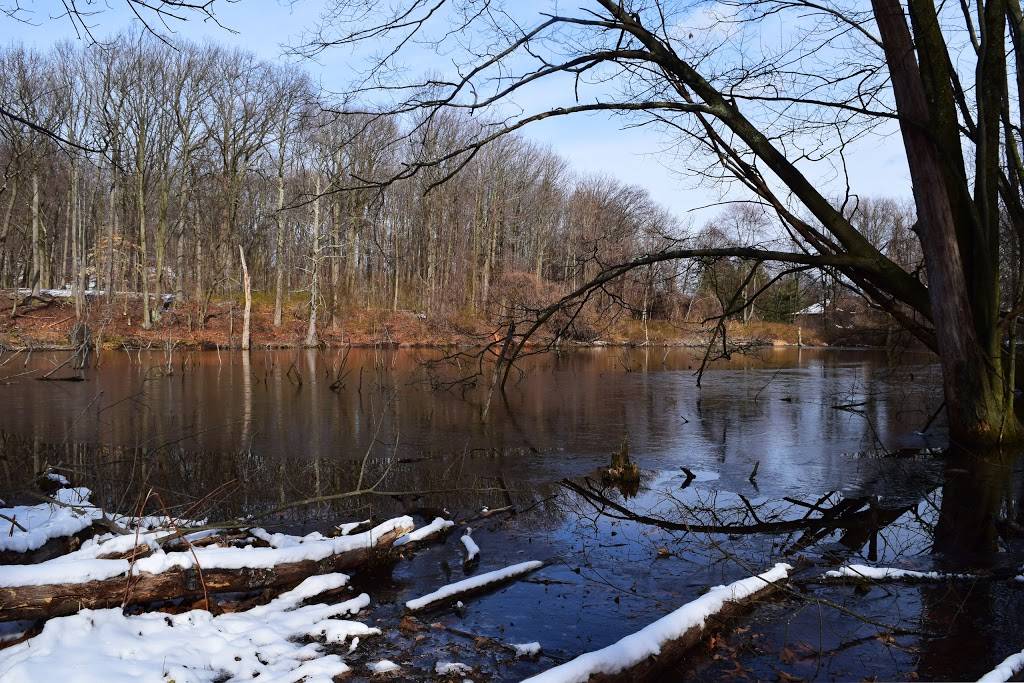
[437, 534]
[475, 585]
[43, 602]
[673, 654]
[664, 650]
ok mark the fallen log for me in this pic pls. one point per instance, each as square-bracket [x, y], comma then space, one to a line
[488, 512]
[860, 573]
[35, 533]
[647, 654]
[436, 530]
[1007, 669]
[29, 592]
[53, 547]
[471, 586]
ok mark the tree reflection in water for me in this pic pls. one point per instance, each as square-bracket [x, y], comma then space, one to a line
[967, 520]
[244, 438]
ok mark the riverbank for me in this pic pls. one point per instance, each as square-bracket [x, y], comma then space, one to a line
[51, 325]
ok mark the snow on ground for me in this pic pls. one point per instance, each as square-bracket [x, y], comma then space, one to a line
[439, 524]
[347, 528]
[526, 649]
[107, 647]
[81, 566]
[636, 647]
[384, 666]
[452, 669]
[1006, 670]
[472, 549]
[286, 540]
[59, 478]
[473, 583]
[862, 571]
[72, 512]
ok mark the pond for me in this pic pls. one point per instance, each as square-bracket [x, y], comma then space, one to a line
[811, 456]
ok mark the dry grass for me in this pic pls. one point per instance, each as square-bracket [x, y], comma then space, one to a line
[119, 326]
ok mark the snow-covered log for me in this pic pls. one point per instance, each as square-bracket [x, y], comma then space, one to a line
[642, 656]
[472, 549]
[263, 643]
[31, 533]
[82, 580]
[1006, 670]
[862, 572]
[436, 529]
[472, 585]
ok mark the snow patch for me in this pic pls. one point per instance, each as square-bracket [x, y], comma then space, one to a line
[59, 478]
[77, 567]
[104, 646]
[384, 666]
[348, 527]
[452, 669]
[526, 649]
[285, 540]
[648, 641]
[472, 549]
[439, 524]
[36, 524]
[861, 571]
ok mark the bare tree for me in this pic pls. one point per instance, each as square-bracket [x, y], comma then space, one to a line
[756, 116]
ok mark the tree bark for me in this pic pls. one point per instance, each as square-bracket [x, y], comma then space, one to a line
[279, 226]
[47, 601]
[37, 266]
[978, 408]
[314, 281]
[140, 200]
[247, 313]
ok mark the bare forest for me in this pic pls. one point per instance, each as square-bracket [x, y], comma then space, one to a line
[365, 354]
[137, 178]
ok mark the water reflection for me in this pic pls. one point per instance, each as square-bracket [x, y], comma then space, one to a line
[833, 486]
[793, 411]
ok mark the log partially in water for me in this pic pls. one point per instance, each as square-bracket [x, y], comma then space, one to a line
[481, 583]
[53, 600]
[650, 654]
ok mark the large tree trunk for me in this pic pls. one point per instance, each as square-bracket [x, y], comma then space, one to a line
[979, 407]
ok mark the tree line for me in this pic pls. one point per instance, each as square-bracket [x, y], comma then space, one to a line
[140, 169]
[148, 166]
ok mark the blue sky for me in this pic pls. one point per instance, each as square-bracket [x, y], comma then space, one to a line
[592, 144]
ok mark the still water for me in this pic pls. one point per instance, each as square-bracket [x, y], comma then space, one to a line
[843, 474]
